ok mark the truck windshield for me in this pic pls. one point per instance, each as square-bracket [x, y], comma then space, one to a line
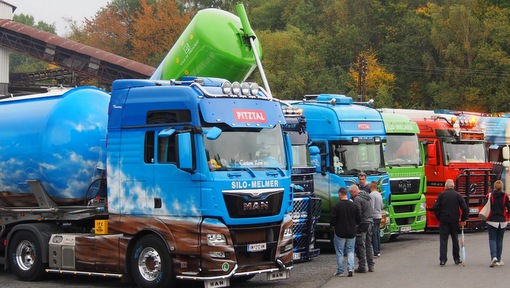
[402, 150]
[464, 152]
[301, 156]
[249, 148]
[349, 159]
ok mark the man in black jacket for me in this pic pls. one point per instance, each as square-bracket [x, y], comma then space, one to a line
[344, 217]
[446, 209]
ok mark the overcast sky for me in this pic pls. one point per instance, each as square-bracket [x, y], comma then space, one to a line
[54, 11]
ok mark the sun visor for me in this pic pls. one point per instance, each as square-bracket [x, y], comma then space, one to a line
[242, 112]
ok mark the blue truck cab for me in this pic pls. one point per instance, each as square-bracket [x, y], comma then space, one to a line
[210, 166]
[350, 138]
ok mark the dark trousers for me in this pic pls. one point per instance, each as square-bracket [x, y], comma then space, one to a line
[447, 229]
[376, 236]
[364, 248]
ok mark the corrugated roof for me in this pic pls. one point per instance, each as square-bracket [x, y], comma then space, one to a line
[68, 53]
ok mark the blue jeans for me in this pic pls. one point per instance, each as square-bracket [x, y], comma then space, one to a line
[496, 241]
[348, 245]
[376, 236]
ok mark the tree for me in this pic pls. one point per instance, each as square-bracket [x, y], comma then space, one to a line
[152, 34]
[378, 83]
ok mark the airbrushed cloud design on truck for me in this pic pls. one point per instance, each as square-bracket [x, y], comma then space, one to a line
[58, 167]
[126, 196]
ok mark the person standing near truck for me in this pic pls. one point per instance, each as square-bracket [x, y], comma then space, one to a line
[364, 247]
[362, 180]
[497, 222]
[446, 208]
[377, 206]
[344, 218]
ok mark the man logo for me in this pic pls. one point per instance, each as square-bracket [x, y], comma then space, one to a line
[257, 205]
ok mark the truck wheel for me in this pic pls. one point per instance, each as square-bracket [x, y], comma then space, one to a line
[151, 263]
[25, 256]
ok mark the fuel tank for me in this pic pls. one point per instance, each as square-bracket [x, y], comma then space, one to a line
[58, 138]
[212, 45]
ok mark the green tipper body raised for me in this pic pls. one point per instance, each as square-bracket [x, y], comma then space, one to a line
[198, 52]
[405, 158]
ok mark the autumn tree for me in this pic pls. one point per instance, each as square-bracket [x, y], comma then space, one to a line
[155, 29]
[379, 84]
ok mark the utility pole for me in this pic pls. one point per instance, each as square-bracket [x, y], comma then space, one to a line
[362, 75]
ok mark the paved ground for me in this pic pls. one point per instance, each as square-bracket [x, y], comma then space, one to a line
[417, 265]
[409, 261]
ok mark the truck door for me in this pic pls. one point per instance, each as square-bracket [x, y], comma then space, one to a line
[175, 192]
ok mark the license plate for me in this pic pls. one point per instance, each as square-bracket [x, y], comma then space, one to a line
[405, 228]
[474, 210]
[296, 256]
[278, 275]
[217, 283]
[257, 247]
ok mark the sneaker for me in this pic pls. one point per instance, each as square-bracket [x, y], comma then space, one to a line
[359, 270]
[377, 255]
[337, 274]
[350, 273]
[493, 262]
[371, 269]
[442, 263]
[500, 263]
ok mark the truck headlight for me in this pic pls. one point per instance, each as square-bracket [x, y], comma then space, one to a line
[287, 233]
[216, 239]
[218, 254]
[423, 206]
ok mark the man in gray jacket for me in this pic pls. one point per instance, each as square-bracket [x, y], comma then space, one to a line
[364, 247]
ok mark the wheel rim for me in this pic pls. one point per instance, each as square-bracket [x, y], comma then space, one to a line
[25, 255]
[149, 264]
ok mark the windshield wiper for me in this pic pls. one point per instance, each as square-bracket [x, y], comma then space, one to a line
[276, 168]
[244, 168]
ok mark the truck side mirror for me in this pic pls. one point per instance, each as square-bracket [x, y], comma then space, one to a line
[185, 151]
[166, 133]
[289, 144]
[431, 154]
[213, 133]
[506, 153]
[315, 157]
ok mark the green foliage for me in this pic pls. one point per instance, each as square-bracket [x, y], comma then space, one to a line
[430, 53]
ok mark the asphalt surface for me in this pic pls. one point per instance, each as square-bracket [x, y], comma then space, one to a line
[417, 265]
[411, 260]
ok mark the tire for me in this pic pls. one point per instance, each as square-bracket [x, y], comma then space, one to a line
[151, 263]
[25, 257]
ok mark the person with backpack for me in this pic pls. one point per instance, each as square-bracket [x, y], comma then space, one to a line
[497, 221]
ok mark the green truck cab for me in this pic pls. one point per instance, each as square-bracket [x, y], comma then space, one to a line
[405, 158]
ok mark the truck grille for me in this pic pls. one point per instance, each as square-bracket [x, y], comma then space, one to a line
[474, 184]
[403, 208]
[253, 202]
[400, 186]
[305, 213]
[242, 236]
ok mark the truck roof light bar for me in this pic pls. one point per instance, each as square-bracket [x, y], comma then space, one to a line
[236, 89]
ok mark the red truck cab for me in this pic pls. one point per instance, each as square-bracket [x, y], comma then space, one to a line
[455, 150]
